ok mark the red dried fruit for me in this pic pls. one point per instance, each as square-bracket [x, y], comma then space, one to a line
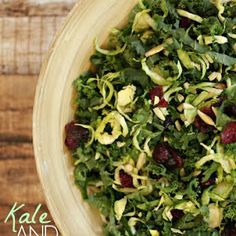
[176, 214]
[166, 155]
[208, 183]
[228, 135]
[185, 22]
[161, 153]
[75, 135]
[179, 163]
[156, 92]
[125, 179]
[230, 230]
[163, 103]
[201, 125]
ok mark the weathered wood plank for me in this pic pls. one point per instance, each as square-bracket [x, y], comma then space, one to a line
[22, 46]
[26, 29]
[15, 126]
[35, 37]
[16, 104]
[16, 150]
[17, 92]
[25, 41]
[35, 7]
[19, 181]
[8, 44]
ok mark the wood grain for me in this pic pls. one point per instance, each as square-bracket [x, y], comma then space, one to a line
[26, 30]
[19, 181]
[16, 104]
[24, 41]
[18, 176]
[16, 153]
[35, 7]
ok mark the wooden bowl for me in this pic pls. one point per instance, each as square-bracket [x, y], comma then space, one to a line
[67, 58]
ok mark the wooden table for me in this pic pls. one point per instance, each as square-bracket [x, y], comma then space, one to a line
[26, 29]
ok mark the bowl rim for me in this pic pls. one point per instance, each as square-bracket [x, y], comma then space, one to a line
[37, 99]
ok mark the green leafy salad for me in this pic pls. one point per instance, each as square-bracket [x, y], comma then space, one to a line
[153, 140]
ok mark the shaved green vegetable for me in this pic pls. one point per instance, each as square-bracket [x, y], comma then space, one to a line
[155, 77]
[109, 52]
[185, 59]
[143, 21]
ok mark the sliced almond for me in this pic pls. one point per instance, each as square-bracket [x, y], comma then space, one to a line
[156, 100]
[141, 161]
[154, 50]
[207, 119]
[159, 113]
[180, 97]
[214, 110]
[120, 144]
[187, 106]
[233, 36]
[158, 48]
[186, 85]
[180, 108]
[177, 125]
[215, 75]
[196, 173]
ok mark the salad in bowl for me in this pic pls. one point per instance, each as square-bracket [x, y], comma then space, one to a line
[153, 139]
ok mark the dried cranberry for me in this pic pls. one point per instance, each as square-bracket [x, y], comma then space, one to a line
[185, 22]
[208, 183]
[125, 179]
[200, 124]
[163, 103]
[75, 135]
[161, 153]
[166, 155]
[230, 230]
[176, 214]
[156, 92]
[228, 135]
[208, 111]
[230, 110]
[179, 163]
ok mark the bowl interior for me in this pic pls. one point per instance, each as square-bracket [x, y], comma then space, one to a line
[67, 58]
